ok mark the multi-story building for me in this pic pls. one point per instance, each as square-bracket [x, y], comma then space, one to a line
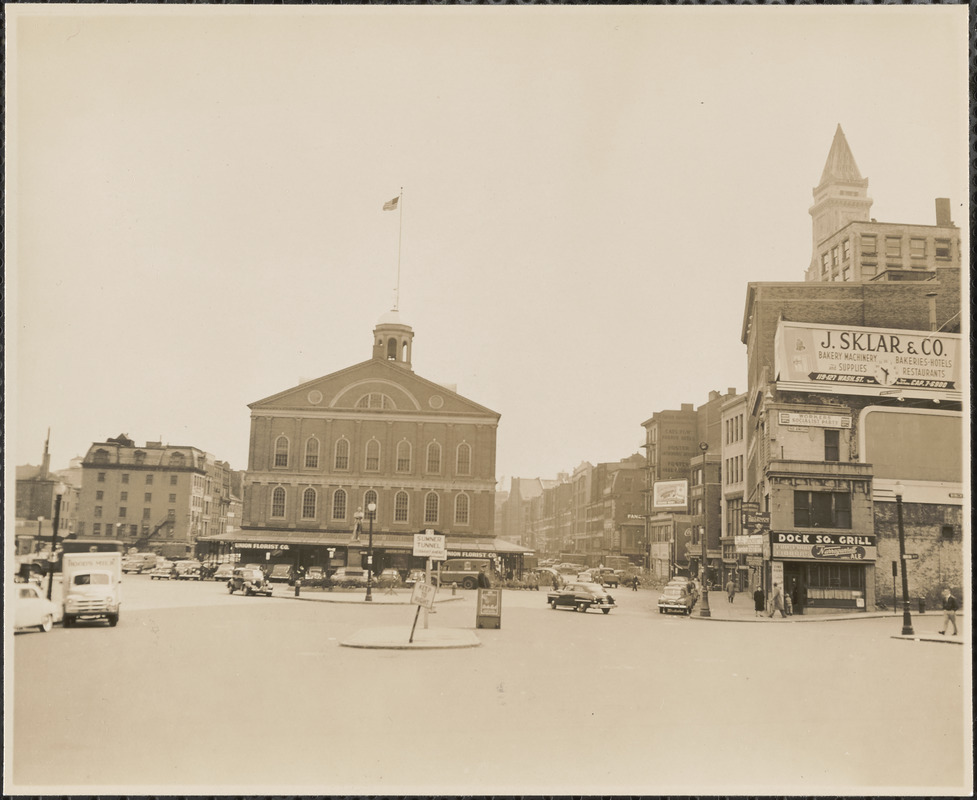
[733, 478]
[375, 433]
[41, 497]
[854, 395]
[850, 246]
[163, 498]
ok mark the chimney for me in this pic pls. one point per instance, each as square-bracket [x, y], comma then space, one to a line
[713, 394]
[943, 212]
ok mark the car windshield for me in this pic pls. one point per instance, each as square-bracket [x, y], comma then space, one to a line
[99, 578]
[674, 591]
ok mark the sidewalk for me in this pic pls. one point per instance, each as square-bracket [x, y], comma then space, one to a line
[400, 597]
[741, 610]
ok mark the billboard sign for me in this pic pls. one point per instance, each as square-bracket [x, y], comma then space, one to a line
[867, 361]
[671, 495]
[429, 544]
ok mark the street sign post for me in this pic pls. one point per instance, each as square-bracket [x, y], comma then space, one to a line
[910, 556]
[423, 595]
[429, 544]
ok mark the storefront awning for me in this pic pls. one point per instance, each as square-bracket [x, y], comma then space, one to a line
[386, 541]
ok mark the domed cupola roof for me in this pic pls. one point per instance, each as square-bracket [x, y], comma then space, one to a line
[392, 339]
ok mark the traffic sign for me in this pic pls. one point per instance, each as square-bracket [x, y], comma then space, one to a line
[429, 544]
[910, 556]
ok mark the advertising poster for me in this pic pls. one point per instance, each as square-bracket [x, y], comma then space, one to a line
[671, 495]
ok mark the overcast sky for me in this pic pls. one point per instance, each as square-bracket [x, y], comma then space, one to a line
[194, 202]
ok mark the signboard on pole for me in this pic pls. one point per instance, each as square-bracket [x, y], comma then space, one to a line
[429, 544]
[423, 594]
[489, 611]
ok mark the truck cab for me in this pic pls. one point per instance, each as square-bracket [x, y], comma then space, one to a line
[91, 587]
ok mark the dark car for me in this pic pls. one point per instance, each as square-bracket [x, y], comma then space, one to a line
[580, 597]
[314, 574]
[248, 580]
[606, 577]
[224, 571]
[282, 573]
[675, 597]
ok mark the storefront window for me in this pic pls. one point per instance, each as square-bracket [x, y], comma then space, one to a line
[822, 510]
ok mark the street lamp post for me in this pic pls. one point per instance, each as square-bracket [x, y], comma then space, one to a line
[704, 608]
[907, 620]
[371, 509]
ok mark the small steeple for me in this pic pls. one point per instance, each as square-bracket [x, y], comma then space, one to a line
[46, 461]
[840, 165]
[393, 339]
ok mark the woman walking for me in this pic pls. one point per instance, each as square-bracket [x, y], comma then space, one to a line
[759, 601]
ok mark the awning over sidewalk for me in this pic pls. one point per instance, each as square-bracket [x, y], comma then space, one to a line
[456, 546]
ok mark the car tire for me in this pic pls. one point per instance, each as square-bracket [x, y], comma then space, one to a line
[553, 604]
[46, 624]
[582, 608]
[606, 610]
[68, 621]
[468, 583]
[230, 589]
[113, 620]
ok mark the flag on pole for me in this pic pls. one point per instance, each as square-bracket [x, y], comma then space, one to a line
[391, 205]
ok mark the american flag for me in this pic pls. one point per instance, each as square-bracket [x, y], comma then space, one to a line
[391, 205]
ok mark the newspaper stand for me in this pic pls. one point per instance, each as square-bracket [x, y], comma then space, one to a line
[489, 610]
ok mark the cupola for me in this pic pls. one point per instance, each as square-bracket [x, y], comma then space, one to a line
[392, 339]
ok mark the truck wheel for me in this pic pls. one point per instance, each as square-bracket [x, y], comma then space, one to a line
[468, 583]
[553, 604]
[47, 623]
[113, 620]
[606, 610]
[68, 621]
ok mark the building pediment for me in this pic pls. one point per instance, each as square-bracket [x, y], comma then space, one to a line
[374, 385]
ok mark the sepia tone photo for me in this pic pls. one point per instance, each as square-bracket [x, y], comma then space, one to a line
[506, 400]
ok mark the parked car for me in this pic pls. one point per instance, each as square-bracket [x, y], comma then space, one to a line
[580, 597]
[139, 562]
[314, 574]
[32, 609]
[249, 580]
[675, 597]
[606, 576]
[282, 573]
[349, 575]
[187, 570]
[570, 569]
[164, 570]
[389, 578]
[224, 571]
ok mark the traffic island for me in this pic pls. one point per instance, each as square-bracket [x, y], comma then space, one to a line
[423, 639]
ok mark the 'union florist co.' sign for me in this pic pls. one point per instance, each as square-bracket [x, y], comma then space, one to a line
[867, 361]
[823, 546]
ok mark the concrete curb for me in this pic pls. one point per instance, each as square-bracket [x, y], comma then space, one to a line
[929, 637]
[424, 639]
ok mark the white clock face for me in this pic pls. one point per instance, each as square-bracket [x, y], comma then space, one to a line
[315, 397]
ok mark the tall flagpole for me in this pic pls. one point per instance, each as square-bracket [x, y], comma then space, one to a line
[400, 239]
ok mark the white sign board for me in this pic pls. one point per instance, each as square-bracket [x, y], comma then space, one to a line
[671, 494]
[430, 545]
[423, 594]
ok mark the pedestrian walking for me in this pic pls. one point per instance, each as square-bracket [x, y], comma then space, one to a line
[634, 584]
[533, 581]
[949, 611]
[759, 601]
[777, 601]
[788, 605]
[483, 579]
[556, 582]
[730, 589]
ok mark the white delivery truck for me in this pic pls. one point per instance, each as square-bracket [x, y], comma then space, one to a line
[91, 585]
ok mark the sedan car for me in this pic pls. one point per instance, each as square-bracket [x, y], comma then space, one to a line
[675, 598]
[281, 573]
[414, 576]
[164, 571]
[224, 571]
[32, 609]
[389, 578]
[249, 581]
[187, 570]
[580, 597]
[349, 575]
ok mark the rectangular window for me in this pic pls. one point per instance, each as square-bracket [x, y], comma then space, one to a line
[98, 511]
[893, 248]
[148, 497]
[172, 498]
[173, 480]
[123, 496]
[101, 477]
[96, 529]
[145, 513]
[832, 445]
[845, 250]
[834, 256]
[942, 249]
[822, 510]
[400, 507]
[99, 495]
[917, 248]
[846, 274]
[133, 530]
[122, 512]
[824, 263]
[149, 478]
[869, 245]
[125, 477]
[81, 529]
[171, 513]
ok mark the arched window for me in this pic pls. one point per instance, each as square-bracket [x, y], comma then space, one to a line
[372, 456]
[391, 349]
[403, 456]
[401, 507]
[431, 504]
[281, 451]
[434, 457]
[339, 504]
[342, 454]
[375, 400]
[278, 502]
[462, 505]
[463, 462]
[370, 497]
[312, 453]
[308, 503]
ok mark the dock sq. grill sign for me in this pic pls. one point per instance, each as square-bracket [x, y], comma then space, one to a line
[823, 546]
